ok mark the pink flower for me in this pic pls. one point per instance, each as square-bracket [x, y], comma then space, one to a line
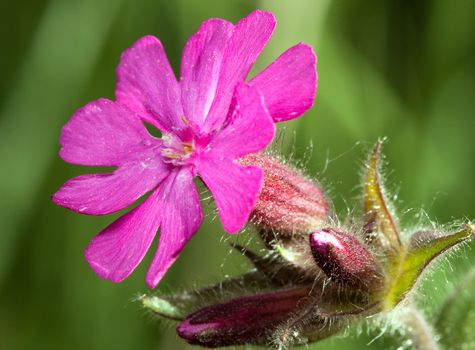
[209, 120]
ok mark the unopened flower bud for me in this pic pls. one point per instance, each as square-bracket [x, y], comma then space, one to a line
[346, 260]
[288, 202]
[245, 320]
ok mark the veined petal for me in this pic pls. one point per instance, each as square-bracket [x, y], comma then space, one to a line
[289, 83]
[147, 85]
[104, 133]
[234, 187]
[116, 251]
[249, 127]
[100, 194]
[249, 37]
[182, 215]
[200, 67]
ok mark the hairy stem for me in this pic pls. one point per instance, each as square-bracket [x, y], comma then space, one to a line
[420, 332]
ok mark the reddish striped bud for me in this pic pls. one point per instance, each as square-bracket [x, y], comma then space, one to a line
[245, 320]
[288, 202]
[346, 260]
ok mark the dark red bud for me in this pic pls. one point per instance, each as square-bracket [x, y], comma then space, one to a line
[288, 202]
[346, 260]
[245, 320]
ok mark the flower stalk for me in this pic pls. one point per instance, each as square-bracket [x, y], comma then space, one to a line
[420, 333]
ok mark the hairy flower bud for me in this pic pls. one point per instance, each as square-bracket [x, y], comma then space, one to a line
[288, 202]
[245, 320]
[346, 260]
[311, 280]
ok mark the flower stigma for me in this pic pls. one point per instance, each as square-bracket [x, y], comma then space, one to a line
[176, 151]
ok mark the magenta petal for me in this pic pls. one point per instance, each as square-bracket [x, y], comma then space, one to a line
[100, 194]
[200, 66]
[249, 37]
[116, 251]
[289, 83]
[147, 85]
[182, 215]
[235, 189]
[104, 133]
[249, 127]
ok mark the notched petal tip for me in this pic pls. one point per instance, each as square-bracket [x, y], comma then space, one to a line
[154, 276]
[146, 40]
[248, 38]
[269, 16]
[147, 85]
[289, 83]
[115, 252]
[180, 217]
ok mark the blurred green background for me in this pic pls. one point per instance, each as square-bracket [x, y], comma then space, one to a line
[401, 69]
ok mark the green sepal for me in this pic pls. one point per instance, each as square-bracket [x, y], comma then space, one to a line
[456, 321]
[163, 306]
[381, 230]
[277, 268]
[424, 247]
[178, 305]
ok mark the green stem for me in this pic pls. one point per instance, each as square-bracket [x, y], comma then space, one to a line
[420, 332]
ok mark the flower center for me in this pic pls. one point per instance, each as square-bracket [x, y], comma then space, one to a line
[176, 151]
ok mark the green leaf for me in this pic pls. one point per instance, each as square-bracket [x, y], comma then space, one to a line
[456, 320]
[424, 247]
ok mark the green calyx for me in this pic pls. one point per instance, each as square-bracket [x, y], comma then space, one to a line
[404, 262]
[416, 257]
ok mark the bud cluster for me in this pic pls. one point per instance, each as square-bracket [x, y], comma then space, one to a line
[317, 277]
